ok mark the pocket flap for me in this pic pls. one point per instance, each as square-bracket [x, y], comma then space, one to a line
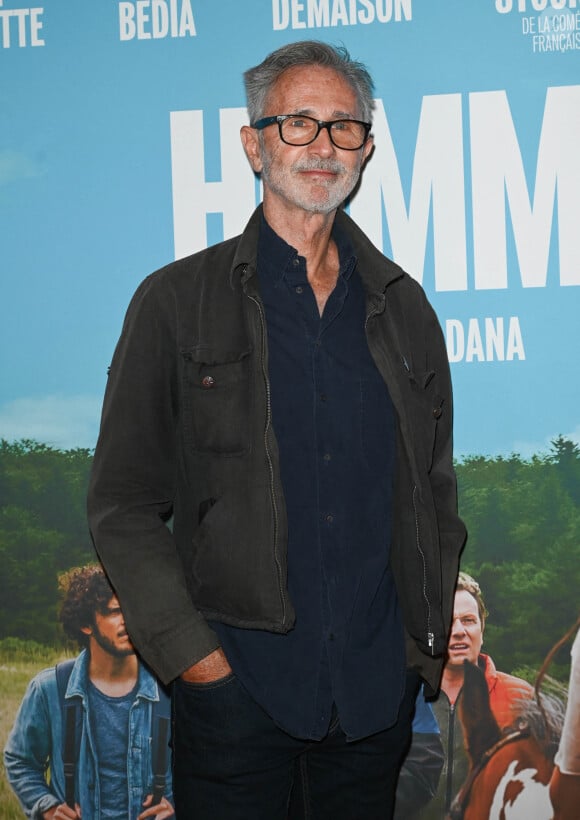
[204, 354]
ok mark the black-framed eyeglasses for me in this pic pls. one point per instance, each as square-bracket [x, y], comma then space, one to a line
[297, 129]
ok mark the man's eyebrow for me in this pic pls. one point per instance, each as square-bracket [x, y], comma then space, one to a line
[339, 115]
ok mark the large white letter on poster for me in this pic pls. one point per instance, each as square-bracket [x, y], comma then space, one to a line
[437, 187]
[193, 196]
[497, 171]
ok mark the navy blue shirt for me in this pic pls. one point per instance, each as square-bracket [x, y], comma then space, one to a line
[335, 427]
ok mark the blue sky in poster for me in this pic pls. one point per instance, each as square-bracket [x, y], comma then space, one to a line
[86, 199]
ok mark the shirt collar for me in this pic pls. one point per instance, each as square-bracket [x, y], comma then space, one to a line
[277, 256]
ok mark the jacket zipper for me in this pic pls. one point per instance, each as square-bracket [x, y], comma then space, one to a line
[430, 635]
[266, 446]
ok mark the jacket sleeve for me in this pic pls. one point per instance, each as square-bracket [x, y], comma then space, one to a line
[27, 752]
[452, 532]
[132, 488]
[426, 576]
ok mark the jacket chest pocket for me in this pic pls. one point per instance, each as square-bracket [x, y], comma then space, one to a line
[216, 400]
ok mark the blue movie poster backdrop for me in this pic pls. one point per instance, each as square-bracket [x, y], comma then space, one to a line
[119, 151]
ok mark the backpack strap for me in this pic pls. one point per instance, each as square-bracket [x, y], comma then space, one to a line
[70, 710]
[160, 734]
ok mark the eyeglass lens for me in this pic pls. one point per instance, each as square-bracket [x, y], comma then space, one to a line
[343, 133]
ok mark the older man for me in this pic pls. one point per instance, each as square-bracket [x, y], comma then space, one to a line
[285, 395]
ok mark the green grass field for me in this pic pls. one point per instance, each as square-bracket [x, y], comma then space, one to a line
[19, 662]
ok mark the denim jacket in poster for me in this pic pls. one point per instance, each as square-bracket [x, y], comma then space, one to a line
[35, 743]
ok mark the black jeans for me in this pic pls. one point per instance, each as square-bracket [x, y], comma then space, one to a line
[231, 761]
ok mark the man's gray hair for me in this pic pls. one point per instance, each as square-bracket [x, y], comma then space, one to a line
[260, 80]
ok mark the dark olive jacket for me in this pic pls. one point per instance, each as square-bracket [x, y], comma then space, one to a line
[185, 503]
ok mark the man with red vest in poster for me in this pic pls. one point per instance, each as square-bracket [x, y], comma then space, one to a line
[505, 691]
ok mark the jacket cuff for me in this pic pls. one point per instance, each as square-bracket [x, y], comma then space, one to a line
[176, 651]
[46, 802]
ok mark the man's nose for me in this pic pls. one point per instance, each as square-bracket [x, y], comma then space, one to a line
[322, 144]
[457, 627]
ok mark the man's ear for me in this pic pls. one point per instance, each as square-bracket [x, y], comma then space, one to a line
[368, 149]
[88, 630]
[251, 144]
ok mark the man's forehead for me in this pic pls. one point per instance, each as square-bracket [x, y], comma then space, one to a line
[305, 86]
[465, 604]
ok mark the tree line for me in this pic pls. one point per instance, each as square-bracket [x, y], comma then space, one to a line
[522, 515]
[523, 520]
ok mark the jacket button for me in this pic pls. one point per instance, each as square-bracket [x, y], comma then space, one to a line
[437, 412]
[207, 381]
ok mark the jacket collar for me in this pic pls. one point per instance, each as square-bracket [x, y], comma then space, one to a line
[376, 271]
[247, 250]
[77, 684]
[488, 666]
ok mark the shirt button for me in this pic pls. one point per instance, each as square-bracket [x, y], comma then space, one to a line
[299, 289]
[207, 381]
[327, 456]
[329, 518]
[296, 261]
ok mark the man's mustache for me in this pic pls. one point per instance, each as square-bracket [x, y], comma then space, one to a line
[318, 164]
